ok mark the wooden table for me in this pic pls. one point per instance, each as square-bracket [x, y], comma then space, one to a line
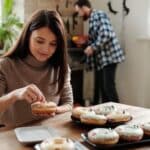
[67, 128]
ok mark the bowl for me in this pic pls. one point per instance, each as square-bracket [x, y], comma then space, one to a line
[80, 40]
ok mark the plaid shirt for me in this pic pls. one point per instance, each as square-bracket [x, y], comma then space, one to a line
[102, 39]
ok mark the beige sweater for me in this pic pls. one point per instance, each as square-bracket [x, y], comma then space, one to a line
[17, 73]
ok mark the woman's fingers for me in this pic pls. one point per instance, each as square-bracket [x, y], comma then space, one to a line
[32, 96]
[31, 93]
[36, 94]
[28, 98]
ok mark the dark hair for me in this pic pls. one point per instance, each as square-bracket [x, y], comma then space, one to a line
[82, 3]
[52, 20]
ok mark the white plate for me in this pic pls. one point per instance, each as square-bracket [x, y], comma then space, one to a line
[78, 146]
[34, 134]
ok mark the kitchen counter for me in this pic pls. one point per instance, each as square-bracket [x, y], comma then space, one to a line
[67, 128]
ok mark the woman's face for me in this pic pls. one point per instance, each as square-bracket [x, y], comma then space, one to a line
[42, 43]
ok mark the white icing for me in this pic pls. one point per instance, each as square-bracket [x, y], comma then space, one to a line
[92, 115]
[129, 130]
[57, 143]
[105, 110]
[119, 114]
[102, 134]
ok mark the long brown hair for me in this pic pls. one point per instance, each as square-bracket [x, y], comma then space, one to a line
[52, 20]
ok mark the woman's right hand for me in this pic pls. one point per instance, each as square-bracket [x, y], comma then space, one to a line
[31, 93]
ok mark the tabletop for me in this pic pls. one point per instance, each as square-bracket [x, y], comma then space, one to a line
[67, 128]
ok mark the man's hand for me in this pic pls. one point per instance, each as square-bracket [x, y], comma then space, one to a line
[89, 51]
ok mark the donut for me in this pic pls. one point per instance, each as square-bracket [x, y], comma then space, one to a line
[130, 133]
[57, 143]
[77, 111]
[43, 108]
[105, 109]
[103, 136]
[146, 128]
[92, 118]
[119, 117]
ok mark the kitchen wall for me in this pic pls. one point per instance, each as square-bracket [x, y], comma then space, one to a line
[24, 8]
[133, 75]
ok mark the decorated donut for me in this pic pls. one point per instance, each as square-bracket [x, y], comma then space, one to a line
[92, 118]
[119, 117]
[58, 143]
[105, 109]
[129, 133]
[43, 108]
[78, 111]
[103, 136]
[146, 128]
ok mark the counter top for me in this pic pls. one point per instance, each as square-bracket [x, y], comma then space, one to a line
[67, 128]
[75, 49]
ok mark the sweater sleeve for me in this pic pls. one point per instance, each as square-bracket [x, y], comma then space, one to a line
[66, 96]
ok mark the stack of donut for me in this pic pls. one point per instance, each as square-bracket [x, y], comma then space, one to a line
[101, 115]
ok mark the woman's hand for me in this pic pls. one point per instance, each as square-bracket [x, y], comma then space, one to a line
[45, 115]
[31, 93]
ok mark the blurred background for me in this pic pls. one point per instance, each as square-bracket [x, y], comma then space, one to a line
[131, 21]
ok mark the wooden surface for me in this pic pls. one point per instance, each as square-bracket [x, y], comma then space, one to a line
[67, 128]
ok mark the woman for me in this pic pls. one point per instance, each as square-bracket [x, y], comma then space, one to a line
[35, 69]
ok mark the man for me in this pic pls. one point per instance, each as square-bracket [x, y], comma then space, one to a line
[103, 52]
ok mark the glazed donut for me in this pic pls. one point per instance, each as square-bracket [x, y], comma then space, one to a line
[103, 136]
[119, 117]
[129, 133]
[43, 108]
[77, 111]
[146, 128]
[105, 110]
[58, 143]
[92, 118]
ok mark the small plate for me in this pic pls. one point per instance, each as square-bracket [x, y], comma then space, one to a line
[34, 134]
[78, 146]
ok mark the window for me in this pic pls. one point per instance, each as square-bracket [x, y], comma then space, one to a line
[148, 21]
[0, 11]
